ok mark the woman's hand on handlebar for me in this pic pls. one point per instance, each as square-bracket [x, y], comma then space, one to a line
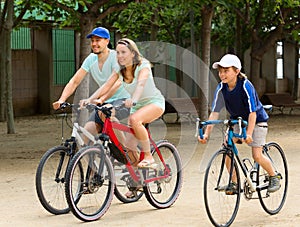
[84, 102]
[129, 103]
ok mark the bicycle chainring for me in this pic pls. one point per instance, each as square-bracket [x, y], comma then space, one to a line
[247, 191]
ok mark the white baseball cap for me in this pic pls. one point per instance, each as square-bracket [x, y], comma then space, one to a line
[228, 60]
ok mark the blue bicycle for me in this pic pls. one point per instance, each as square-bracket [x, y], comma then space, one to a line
[221, 207]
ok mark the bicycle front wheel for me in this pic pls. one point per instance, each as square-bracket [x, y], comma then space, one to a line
[221, 208]
[90, 178]
[50, 180]
[164, 183]
[273, 202]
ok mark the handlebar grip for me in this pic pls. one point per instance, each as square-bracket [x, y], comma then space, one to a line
[244, 132]
[201, 133]
[201, 125]
[64, 105]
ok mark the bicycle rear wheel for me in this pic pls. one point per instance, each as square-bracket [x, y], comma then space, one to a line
[95, 187]
[124, 183]
[50, 180]
[272, 203]
[221, 208]
[163, 192]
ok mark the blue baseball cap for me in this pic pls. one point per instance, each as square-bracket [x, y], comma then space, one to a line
[100, 32]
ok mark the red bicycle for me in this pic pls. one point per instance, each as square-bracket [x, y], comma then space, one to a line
[94, 171]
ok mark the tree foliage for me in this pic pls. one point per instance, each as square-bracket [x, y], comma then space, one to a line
[169, 20]
[236, 25]
[256, 25]
[81, 15]
[261, 21]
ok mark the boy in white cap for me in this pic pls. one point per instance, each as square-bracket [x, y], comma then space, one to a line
[237, 94]
[100, 64]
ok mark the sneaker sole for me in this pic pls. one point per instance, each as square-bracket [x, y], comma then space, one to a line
[274, 190]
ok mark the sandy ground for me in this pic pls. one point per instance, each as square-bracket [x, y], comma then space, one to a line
[20, 154]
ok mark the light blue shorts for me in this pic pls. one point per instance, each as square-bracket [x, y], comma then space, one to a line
[158, 101]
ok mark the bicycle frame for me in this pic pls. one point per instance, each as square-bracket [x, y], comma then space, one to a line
[109, 132]
[230, 145]
[75, 133]
[75, 139]
[244, 169]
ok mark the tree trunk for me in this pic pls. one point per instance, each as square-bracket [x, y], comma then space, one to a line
[207, 14]
[296, 79]
[2, 77]
[9, 104]
[82, 92]
[238, 44]
[255, 74]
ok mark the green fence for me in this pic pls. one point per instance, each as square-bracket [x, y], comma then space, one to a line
[63, 42]
[63, 55]
[20, 39]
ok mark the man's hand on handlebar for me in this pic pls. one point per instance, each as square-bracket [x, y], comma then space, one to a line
[56, 105]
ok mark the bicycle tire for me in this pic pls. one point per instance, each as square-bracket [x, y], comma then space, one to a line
[221, 208]
[49, 187]
[162, 193]
[272, 203]
[96, 191]
[124, 183]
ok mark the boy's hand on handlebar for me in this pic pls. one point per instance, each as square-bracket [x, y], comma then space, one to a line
[204, 140]
[248, 139]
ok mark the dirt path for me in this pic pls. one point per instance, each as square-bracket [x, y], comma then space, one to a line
[20, 155]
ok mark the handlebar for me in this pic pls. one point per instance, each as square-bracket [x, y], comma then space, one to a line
[65, 105]
[200, 125]
[104, 108]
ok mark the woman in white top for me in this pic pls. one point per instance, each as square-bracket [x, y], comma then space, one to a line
[146, 102]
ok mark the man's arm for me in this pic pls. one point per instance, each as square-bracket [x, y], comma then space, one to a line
[70, 87]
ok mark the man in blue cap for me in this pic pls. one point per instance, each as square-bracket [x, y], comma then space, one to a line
[100, 64]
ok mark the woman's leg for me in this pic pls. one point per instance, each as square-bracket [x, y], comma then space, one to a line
[142, 116]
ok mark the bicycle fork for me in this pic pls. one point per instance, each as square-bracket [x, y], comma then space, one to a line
[95, 174]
